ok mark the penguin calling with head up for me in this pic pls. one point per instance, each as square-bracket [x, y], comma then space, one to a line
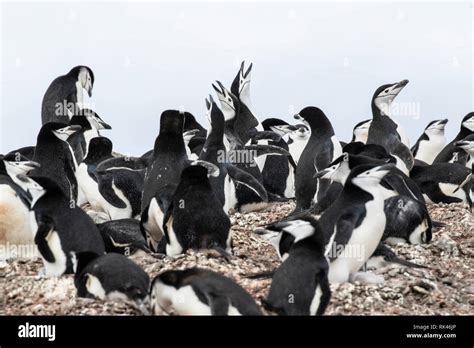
[64, 96]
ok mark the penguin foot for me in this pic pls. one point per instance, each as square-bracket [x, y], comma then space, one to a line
[366, 278]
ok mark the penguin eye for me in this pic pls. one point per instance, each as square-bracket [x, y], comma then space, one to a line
[386, 91]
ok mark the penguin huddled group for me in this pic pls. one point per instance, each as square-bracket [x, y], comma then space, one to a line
[87, 208]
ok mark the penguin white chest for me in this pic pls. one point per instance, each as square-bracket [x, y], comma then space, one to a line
[362, 243]
[58, 267]
[230, 194]
[186, 302]
[429, 149]
[14, 218]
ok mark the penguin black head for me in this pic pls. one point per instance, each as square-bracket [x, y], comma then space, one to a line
[385, 94]
[194, 173]
[171, 122]
[375, 151]
[13, 167]
[190, 122]
[85, 76]
[300, 228]
[241, 82]
[409, 220]
[229, 102]
[467, 144]
[50, 187]
[368, 175]
[335, 167]
[59, 130]
[268, 123]
[316, 119]
[214, 115]
[436, 127]
[468, 122]
[100, 146]
[87, 119]
[29, 185]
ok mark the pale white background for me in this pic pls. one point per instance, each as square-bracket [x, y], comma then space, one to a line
[151, 56]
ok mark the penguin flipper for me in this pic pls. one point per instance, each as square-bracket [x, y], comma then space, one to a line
[343, 229]
[106, 190]
[246, 179]
[262, 150]
[45, 226]
[218, 303]
[461, 185]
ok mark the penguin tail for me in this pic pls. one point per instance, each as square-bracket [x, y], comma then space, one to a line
[213, 245]
[438, 224]
[406, 263]
[224, 253]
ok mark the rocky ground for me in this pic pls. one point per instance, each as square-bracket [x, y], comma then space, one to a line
[446, 288]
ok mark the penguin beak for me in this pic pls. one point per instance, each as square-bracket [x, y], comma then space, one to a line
[89, 91]
[321, 174]
[402, 84]
[73, 128]
[443, 122]
[298, 117]
[464, 144]
[28, 166]
[190, 133]
[104, 125]
[283, 129]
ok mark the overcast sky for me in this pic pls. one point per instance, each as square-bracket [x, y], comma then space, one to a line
[148, 57]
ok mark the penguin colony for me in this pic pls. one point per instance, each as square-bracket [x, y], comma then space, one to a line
[353, 200]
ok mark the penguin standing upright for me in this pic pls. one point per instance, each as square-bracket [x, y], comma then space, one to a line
[15, 202]
[246, 123]
[195, 219]
[384, 130]
[91, 124]
[322, 148]
[61, 228]
[431, 142]
[163, 175]
[112, 277]
[278, 172]
[298, 136]
[355, 222]
[198, 291]
[300, 285]
[230, 178]
[100, 149]
[55, 156]
[64, 95]
[467, 128]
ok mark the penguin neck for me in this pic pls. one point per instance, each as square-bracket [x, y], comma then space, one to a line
[378, 112]
[353, 192]
[464, 132]
[319, 132]
[170, 142]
